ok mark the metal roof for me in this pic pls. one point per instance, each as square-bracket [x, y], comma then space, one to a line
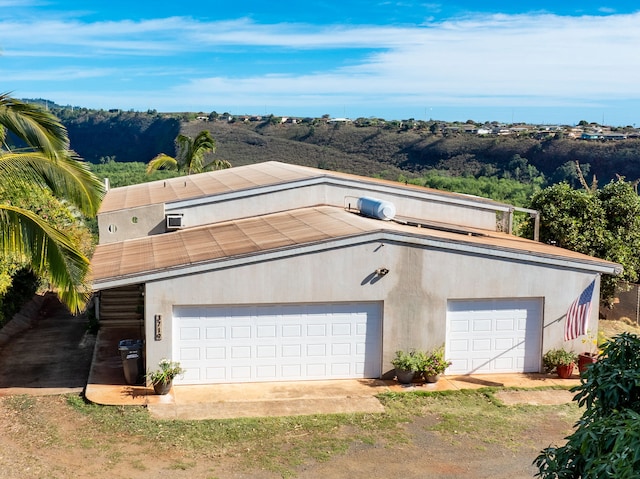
[202, 248]
[247, 177]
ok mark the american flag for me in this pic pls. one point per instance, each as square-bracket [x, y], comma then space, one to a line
[578, 314]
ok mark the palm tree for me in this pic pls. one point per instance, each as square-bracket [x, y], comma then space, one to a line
[46, 162]
[190, 156]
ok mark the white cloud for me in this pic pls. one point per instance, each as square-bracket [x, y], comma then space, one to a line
[534, 60]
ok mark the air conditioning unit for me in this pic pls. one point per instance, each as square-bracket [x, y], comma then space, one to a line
[174, 222]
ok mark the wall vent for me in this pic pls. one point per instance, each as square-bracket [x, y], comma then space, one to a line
[174, 222]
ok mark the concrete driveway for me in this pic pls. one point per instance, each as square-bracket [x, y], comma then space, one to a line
[49, 354]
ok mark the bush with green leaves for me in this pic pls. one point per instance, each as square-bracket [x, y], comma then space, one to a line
[405, 360]
[606, 441]
[604, 223]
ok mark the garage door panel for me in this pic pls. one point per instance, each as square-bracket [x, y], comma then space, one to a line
[494, 336]
[459, 325]
[292, 342]
[215, 333]
[317, 330]
[508, 324]
[190, 354]
[266, 371]
[266, 331]
[215, 353]
[187, 334]
[481, 345]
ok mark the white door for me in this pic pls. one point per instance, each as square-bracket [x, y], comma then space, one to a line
[494, 336]
[278, 343]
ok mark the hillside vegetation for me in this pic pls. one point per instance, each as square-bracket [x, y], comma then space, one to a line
[388, 150]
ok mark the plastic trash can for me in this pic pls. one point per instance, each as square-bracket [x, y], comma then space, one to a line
[132, 361]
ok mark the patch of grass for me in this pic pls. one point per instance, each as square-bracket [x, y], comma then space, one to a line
[138, 465]
[182, 465]
[28, 421]
[478, 414]
[278, 444]
[281, 444]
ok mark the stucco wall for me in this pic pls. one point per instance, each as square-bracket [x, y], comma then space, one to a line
[131, 223]
[119, 225]
[407, 204]
[414, 292]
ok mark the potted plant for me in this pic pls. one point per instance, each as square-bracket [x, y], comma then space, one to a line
[162, 378]
[432, 364]
[590, 356]
[406, 366]
[561, 361]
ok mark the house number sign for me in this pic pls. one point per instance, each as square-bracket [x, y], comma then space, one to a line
[158, 327]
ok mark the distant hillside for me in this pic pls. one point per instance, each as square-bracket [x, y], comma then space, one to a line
[387, 150]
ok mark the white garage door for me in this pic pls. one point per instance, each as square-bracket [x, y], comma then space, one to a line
[278, 343]
[494, 336]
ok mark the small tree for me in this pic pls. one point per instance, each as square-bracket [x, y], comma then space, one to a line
[190, 156]
[599, 222]
[606, 442]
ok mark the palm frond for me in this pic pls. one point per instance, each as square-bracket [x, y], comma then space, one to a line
[49, 251]
[67, 177]
[217, 164]
[162, 161]
[37, 127]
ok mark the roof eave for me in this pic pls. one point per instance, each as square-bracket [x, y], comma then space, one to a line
[512, 254]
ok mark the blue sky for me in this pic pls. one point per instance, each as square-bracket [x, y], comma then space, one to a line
[540, 62]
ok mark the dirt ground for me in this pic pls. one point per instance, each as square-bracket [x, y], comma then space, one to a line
[48, 439]
[44, 438]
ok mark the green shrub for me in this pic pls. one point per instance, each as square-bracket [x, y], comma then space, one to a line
[405, 360]
[607, 438]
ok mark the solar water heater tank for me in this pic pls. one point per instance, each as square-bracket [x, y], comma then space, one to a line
[375, 208]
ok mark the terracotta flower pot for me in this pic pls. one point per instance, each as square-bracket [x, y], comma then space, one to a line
[162, 388]
[565, 372]
[586, 359]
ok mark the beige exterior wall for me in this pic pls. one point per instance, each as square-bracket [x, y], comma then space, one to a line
[414, 292]
[119, 225]
[335, 195]
[131, 223]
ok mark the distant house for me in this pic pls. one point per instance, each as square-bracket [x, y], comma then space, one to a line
[278, 272]
[613, 136]
[591, 135]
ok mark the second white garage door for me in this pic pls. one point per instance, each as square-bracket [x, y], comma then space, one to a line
[278, 343]
[494, 336]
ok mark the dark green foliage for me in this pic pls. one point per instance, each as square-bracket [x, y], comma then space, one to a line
[127, 136]
[24, 285]
[500, 189]
[604, 223]
[606, 442]
[125, 174]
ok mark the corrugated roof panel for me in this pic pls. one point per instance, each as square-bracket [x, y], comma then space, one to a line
[201, 245]
[105, 262]
[265, 235]
[298, 227]
[203, 184]
[139, 257]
